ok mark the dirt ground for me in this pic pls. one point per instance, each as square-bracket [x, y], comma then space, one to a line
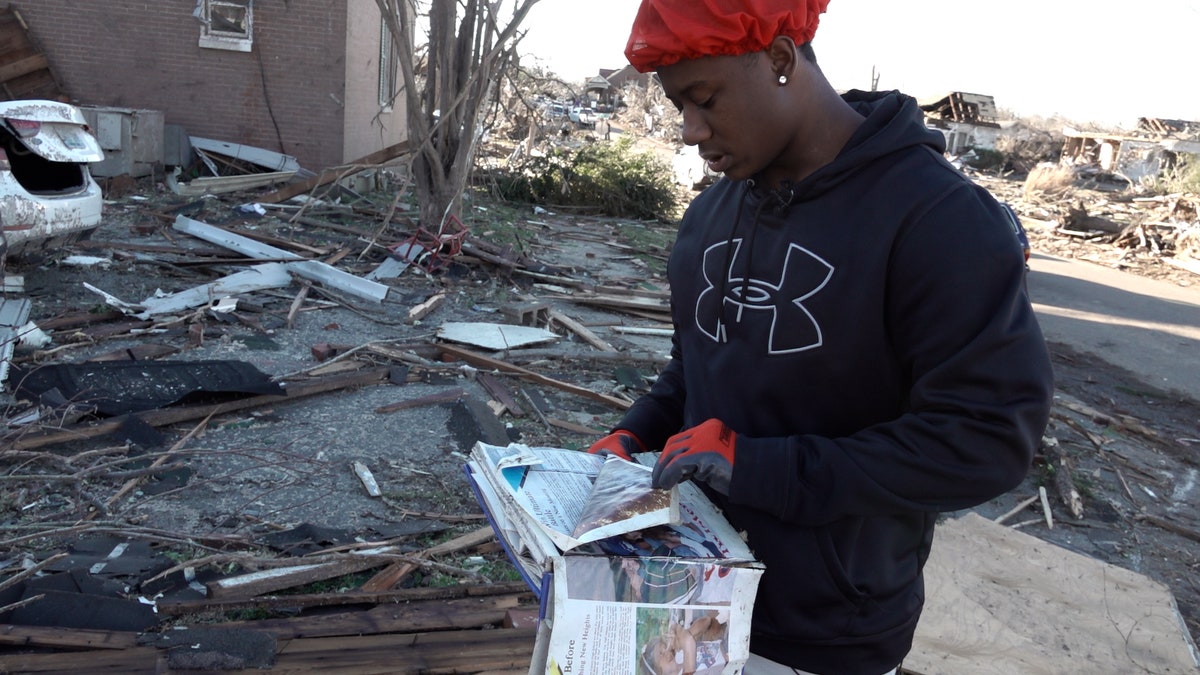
[232, 481]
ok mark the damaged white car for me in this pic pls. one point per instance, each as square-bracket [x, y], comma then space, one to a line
[47, 194]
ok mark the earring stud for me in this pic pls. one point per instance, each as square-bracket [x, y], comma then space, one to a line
[782, 80]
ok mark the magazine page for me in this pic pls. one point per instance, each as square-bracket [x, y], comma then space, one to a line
[650, 615]
[527, 548]
[553, 486]
[623, 500]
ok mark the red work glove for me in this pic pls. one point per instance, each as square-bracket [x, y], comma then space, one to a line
[704, 452]
[620, 443]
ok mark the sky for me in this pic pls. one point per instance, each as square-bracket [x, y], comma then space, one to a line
[1104, 62]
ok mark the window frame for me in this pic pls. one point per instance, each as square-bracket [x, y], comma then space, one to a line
[239, 41]
[387, 88]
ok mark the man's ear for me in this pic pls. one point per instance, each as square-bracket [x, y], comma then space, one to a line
[782, 54]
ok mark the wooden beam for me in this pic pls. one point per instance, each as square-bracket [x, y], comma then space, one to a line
[27, 65]
[329, 175]
[396, 572]
[481, 361]
[172, 415]
[456, 614]
[65, 638]
[359, 597]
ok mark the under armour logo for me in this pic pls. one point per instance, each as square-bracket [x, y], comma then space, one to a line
[773, 309]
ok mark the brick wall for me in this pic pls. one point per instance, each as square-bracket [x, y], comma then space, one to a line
[287, 94]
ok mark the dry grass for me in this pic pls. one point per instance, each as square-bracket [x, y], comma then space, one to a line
[1049, 181]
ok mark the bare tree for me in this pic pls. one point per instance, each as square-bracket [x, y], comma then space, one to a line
[468, 48]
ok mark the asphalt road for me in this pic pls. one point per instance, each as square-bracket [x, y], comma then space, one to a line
[1149, 327]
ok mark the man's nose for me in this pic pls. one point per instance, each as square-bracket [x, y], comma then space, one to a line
[695, 129]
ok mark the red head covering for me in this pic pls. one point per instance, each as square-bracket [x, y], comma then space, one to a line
[666, 31]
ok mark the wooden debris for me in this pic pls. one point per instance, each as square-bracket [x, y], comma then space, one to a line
[573, 427]
[1116, 422]
[1016, 509]
[1064, 482]
[174, 415]
[414, 596]
[268, 581]
[497, 390]
[1046, 507]
[396, 572]
[426, 308]
[582, 331]
[634, 330]
[367, 478]
[65, 638]
[335, 173]
[447, 396]
[1170, 526]
[481, 361]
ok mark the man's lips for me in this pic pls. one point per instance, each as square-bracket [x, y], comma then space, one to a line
[717, 163]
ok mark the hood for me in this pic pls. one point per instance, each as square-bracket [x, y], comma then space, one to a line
[893, 123]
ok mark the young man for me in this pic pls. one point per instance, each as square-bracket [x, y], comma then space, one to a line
[854, 349]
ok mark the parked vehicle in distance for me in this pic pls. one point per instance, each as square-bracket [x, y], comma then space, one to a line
[47, 194]
[556, 110]
[583, 116]
[1018, 231]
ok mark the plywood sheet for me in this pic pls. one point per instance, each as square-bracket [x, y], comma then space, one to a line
[999, 601]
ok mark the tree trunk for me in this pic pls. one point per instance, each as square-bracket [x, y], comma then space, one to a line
[464, 60]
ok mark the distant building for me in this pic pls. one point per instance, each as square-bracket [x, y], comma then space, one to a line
[314, 79]
[966, 120]
[1156, 145]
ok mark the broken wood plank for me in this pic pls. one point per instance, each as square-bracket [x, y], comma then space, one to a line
[23, 440]
[481, 361]
[573, 427]
[329, 175]
[497, 390]
[426, 308]
[582, 331]
[395, 573]
[451, 614]
[66, 638]
[1016, 509]
[1169, 526]
[448, 396]
[454, 651]
[634, 330]
[93, 662]
[367, 479]
[279, 578]
[473, 651]
[353, 597]
[1064, 481]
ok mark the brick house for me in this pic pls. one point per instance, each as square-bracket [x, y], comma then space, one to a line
[315, 79]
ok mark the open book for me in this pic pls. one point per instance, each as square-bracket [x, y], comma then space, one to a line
[631, 579]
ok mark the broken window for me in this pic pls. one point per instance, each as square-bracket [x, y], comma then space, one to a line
[227, 24]
[387, 66]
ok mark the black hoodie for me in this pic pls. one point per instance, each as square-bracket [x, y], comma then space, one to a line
[867, 334]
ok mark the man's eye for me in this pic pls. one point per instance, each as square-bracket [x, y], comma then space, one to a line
[706, 103]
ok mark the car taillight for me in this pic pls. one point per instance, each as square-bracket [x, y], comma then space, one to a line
[24, 128]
